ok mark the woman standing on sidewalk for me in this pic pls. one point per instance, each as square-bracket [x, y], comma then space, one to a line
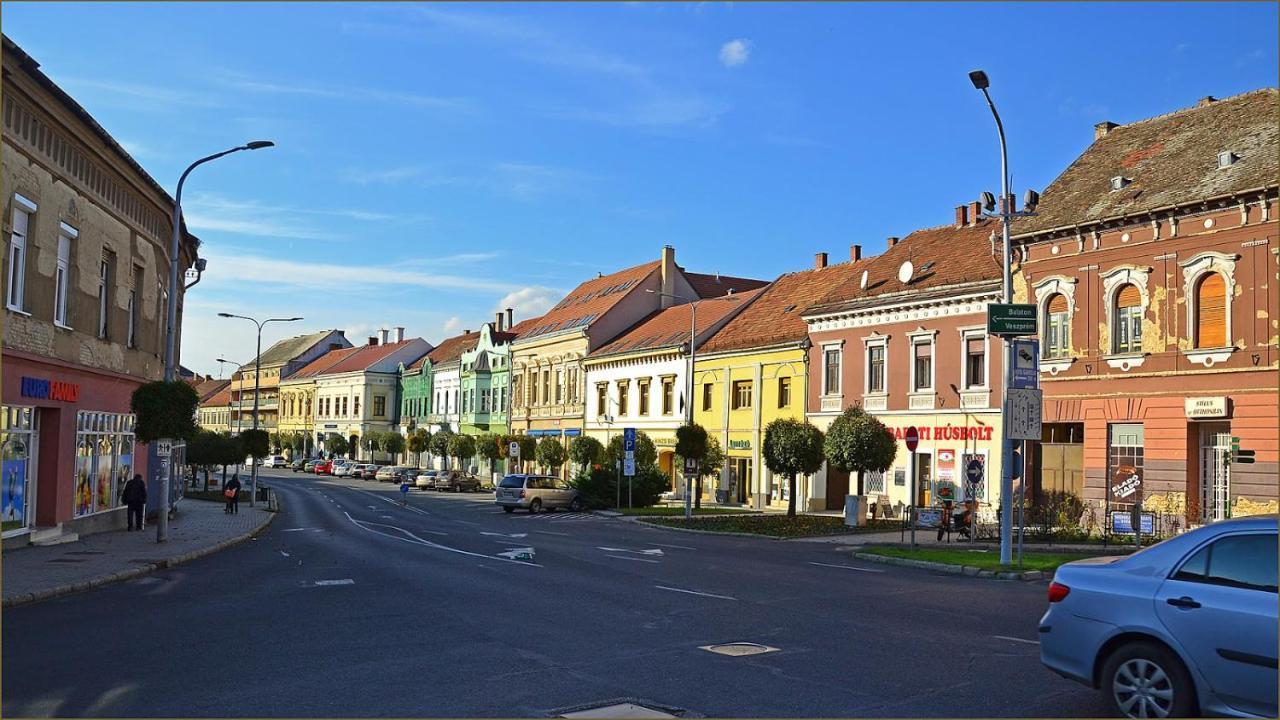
[231, 491]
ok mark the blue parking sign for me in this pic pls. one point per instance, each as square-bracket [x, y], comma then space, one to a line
[629, 439]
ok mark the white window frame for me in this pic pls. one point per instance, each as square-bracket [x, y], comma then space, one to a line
[966, 334]
[15, 298]
[62, 274]
[921, 337]
[838, 347]
[882, 342]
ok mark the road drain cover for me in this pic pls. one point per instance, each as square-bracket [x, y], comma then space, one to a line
[620, 710]
[738, 649]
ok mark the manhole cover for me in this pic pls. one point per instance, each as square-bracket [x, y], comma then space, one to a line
[620, 710]
[738, 649]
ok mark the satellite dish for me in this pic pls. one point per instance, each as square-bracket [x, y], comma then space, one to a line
[863, 282]
[904, 272]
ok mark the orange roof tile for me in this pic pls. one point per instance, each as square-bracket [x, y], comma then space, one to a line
[670, 327]
[350, 359]
[451, 349]
[715, 285]
[218, 399]
[590, 300]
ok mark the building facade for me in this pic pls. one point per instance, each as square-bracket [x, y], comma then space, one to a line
[640, 379]
[85, 281]
[214, 412]
[1152, 261]
[906, 339]
[485, 376]
[264, 375]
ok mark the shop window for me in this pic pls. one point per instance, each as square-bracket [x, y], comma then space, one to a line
[975, 361]
[1057, 324]
[668, 395]
[741, 394]
[1125, 450]
[1211, 312]
[643, 387]
[16, 471]
[104, 460]
[1126, 326]
[62, 274]
[875, 368]
[20, 223]
[784, 392]
[706, 397]
[602, 399]
[831, 371]
[922, 365]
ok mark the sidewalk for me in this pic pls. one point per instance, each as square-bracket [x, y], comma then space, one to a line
[200, 528]
[928, 538]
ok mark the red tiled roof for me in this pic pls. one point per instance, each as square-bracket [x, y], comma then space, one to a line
[590, 300]
[670, 327]
[218, 399]
[715, 285]
[350, 359]
[1170, 160]
[941, 256]
[775, 317]
[451, 349]
[209, 386]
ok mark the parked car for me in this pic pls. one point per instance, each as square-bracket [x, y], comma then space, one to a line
[386, 473]
[1186, 627]
[536, 493]
[324, 467]
[342, 468]
[457, 481]
[405, 474]
[425, 480]
[368, 471]
[297, 465]
[310, 465]
[275, 461]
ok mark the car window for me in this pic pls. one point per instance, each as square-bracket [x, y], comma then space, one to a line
[1243, 561]
[512, 481]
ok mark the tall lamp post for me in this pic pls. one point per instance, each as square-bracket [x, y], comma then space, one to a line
[257, 378]
[238, 414]
[1006, 214]
[171, 318]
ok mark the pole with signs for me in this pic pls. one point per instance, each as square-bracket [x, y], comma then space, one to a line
[164, 448]
[628, 461]
[912, 439]
[690, 473]
[973, 474]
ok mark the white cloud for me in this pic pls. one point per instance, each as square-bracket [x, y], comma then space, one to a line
[236, 269]
[735, 52]
[529, 302]
[154, 97]
[381, 177]
[336, 92]
[212, 212]
[451, 326]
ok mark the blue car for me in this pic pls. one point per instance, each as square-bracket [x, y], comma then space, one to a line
[1184, 628]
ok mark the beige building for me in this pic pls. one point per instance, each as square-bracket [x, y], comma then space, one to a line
[214, 413]
[279, 361]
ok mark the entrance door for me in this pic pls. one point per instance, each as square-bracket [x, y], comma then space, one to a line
[1215, 471]
[924, 478]
[740, 479]
[837, 487]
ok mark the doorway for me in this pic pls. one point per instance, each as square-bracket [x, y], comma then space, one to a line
[837, 487]
[740, 480]
[1215, 471]
[924, 478]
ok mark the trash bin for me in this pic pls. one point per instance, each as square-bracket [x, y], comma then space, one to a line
[263, 493]
[722, 497]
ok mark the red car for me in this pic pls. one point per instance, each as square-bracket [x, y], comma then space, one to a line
[324, 467]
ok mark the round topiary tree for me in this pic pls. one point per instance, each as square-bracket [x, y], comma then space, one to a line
[858, 442]
[335, 444]
[462, 447]
[488, 448]
[418, 443]
[393, 442]
[550, 453]
[792, 447]
[691, 443]
[646, 452]
[586, 452]
[164, 410]
[712, 462]
[256, 443]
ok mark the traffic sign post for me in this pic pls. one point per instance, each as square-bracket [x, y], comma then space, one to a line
[1026, 363]
[1025, 409]
[629, 461]
[912, 439]
[690, 474]
[1011, 319]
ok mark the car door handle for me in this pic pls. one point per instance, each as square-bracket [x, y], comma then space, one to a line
[1183, 602]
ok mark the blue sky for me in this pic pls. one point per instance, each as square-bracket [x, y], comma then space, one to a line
[436, 162]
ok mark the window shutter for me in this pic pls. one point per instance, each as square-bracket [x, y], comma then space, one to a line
[924, 350]
[1211, 312]
[977, 346]
[1129, 297]
[1058, 303]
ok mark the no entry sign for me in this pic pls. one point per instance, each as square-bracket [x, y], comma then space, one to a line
[912, 438]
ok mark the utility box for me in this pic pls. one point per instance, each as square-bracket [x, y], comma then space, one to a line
[855, 510]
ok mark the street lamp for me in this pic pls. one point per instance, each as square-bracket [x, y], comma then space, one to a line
[1006, 214]
[238, 414]
[257, 377]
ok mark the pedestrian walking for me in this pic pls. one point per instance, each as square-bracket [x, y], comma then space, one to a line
[134, 497]
[231, 491]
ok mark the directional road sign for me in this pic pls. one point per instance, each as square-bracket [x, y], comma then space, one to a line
[1010, 319]
[1026, 363]
[1025, 409]
[973, 471]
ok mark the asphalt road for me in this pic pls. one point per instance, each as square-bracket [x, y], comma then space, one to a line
[351, 605]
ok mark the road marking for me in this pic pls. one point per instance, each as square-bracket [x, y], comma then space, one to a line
[548, 532]
[847, 567]
[284, 553]
[694, 592]
[298, 529]
[344, 581]
[654, 551]
[624, 557]
[1016, 639]
[678, 547]
[510, 535]
[419, 541]
[521, 554]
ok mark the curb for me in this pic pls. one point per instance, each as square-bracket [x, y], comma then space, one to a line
[134, 572]
[968, 570]
[641, 519]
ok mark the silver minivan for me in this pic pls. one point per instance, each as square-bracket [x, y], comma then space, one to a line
[536, 493]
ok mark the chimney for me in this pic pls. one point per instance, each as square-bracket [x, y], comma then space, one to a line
[819, 260]
[399, 336]
[855, 252]
[510, 324]
[1103, 129]
[975, 213]
[962, 216]
[497, 321]
[1206, 100]
[382, 336]
[668, 276]
[373, 340]
[893, 240]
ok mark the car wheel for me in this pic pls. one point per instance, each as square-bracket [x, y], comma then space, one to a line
[1146, 680]
[535, 506]
[508, 509]
[576, 505]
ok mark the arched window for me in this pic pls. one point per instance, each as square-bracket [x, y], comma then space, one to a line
[1211, 312]
[1126, 327]
[1057, 327]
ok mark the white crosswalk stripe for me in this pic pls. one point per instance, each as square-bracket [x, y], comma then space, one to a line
[558, 516]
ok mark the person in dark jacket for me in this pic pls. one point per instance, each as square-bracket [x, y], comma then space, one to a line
[134, 497]
[231, 491]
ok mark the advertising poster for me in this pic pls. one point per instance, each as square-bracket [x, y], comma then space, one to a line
[104, 480]
[84, 483]
[124, 471]
[15, 482]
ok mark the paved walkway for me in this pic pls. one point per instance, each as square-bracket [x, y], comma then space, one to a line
[200, 528]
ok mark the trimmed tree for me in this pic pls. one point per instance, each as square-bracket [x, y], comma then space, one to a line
[691, 443]
[646, 452]
[335, 444]
[256, 443]
[394, 443]
[586, 452]
[489, 447]
[858, 442]
[229, 450]
[418, 443]
[550, 453]
[792, 447]
[439, 445]
[164, 410]
[202, 453]
[462, 447]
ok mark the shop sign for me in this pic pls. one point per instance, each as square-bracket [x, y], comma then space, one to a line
[945, 432]
[42, 389]
[928, 517]
[1126, 483]
[1122, 523]
[1206, 407]
[739, 444]
[664, 442]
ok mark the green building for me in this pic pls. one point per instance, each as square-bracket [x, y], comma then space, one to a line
[485, 378]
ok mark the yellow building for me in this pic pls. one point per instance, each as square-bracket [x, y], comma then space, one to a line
[752, 372]
[276, 364]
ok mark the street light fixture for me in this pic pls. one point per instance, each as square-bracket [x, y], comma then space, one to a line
[238, 366]
[1006, 214]
[257, 376]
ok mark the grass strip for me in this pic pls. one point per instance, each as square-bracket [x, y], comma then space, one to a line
[986, 560]
[773, 525]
